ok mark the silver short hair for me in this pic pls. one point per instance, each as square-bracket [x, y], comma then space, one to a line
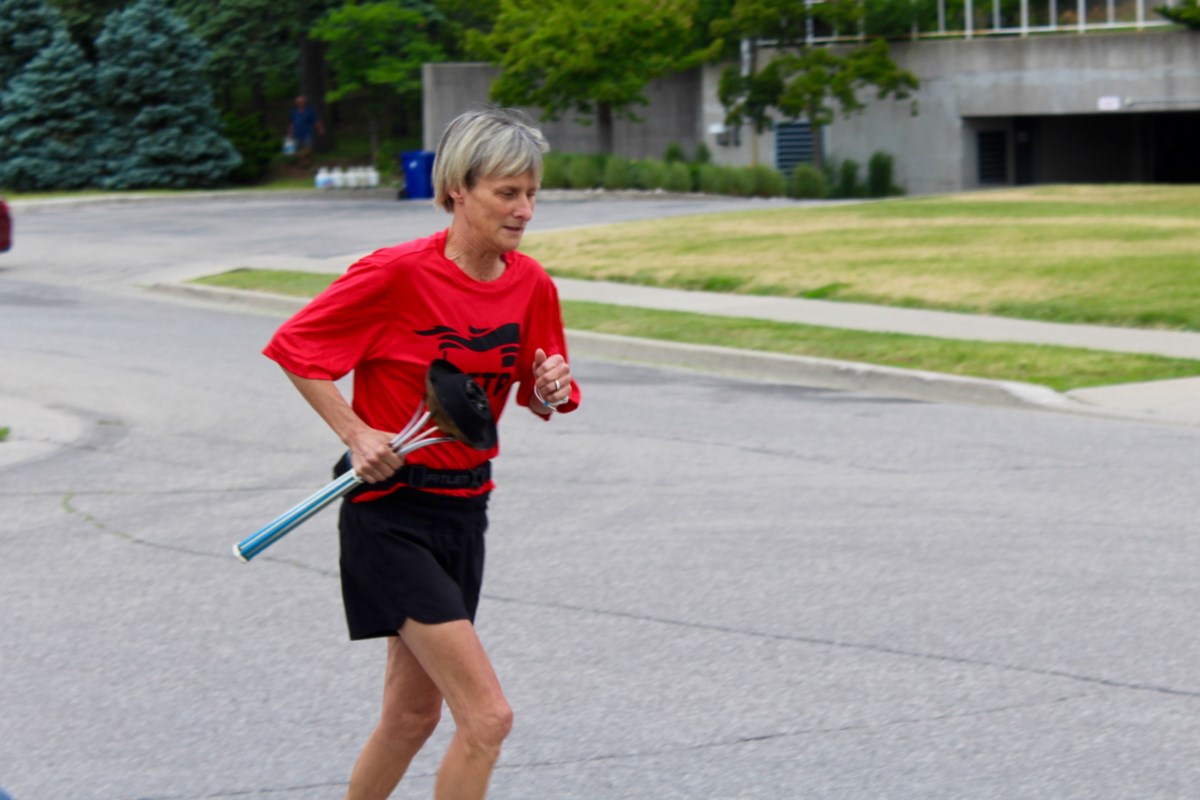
[492, 143]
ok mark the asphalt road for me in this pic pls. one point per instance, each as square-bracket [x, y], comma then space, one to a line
[697, 588]
[116, 245]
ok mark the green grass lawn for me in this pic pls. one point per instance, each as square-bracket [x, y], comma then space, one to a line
[1124, 255]
[1060, 368]
[294, 284]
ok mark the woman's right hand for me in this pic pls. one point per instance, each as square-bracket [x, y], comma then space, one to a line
[371, 455]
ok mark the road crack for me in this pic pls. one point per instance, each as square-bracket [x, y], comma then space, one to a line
[790, 734]
[863, 646]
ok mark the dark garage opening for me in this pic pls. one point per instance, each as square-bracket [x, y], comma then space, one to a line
[1151, 147]
[1176, 147]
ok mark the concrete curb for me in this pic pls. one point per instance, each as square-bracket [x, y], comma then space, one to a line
[243, 299]
[823, 373]
[817, 372]
[848, 376]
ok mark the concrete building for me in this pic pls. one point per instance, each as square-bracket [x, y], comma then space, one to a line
[1117, 107]
[671, 116]
[1055, 109]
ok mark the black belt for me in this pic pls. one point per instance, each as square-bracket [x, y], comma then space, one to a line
[418, 476]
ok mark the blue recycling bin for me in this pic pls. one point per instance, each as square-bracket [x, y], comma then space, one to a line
[418, 173]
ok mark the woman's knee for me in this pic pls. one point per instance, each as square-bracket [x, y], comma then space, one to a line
[486, 728]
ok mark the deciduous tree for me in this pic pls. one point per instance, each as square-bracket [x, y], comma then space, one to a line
[906, 18]
[592, 57]
[462, 17]
[1185, 13]
[799, 80]
[376, 50]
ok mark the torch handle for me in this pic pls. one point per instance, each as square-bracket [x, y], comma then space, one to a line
[277, 528]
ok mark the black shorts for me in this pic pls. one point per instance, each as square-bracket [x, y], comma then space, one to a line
[411, 555]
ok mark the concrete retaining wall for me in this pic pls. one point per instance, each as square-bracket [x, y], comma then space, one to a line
[672, 115]
[966, 87]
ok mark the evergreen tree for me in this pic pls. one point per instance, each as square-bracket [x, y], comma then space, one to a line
[162, 128]
[48, 131]
[85, 18]
[26, 28]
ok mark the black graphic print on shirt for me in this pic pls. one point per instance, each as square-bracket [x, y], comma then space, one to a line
[505, 338]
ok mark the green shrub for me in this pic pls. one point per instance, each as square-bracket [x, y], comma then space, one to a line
[829, 169]
[703, 154]
[583, 173]
[717, 179]
[879, 175]
[679, 177]
[711, 179]
[742, 181]
[554, 171]
[674, 153]
[618, 173]
[847, 180]
[651, 174]
[768, 181]
[759, 181]
[808, 182]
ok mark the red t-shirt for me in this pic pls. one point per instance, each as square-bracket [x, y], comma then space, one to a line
[397, 310]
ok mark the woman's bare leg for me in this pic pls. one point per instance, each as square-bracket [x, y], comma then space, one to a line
[455, 661]
[412, 706]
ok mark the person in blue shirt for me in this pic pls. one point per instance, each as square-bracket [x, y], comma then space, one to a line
[304, 127]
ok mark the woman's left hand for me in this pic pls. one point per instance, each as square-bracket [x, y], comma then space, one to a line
[551, 379]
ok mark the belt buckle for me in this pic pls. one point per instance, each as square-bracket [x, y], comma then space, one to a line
[418, 474]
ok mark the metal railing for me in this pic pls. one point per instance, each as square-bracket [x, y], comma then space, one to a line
[967, 19]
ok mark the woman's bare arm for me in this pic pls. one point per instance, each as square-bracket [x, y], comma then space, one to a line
[371, 454]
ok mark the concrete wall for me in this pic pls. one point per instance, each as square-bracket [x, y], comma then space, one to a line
[740, 148]
[967, 86]
[672, 116]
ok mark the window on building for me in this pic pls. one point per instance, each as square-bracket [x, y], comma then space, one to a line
[794, 145]
[993, 157]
